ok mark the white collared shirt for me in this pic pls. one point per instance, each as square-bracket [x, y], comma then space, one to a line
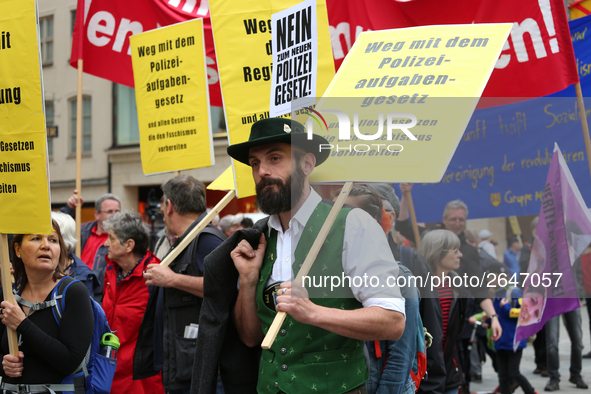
[365, 252]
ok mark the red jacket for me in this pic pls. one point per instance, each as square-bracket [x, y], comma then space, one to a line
[124, 306]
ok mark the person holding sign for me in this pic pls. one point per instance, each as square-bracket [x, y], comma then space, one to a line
[48, 352]
[319, 347]
[177, 290]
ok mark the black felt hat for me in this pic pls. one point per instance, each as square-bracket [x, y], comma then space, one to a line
[273, 130]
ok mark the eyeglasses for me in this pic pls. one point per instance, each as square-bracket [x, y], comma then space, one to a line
[456, 250]
[111, 212]
[453, 220]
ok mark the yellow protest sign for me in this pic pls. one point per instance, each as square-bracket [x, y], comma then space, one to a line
[399, 104]
[224, 181]
[24, 187]
[242, 35]
[172, 98]
[515, 227]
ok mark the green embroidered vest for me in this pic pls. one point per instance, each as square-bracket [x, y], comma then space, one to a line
[305, 358]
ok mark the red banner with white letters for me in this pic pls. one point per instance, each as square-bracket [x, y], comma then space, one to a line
[537, 60]
[101, 35]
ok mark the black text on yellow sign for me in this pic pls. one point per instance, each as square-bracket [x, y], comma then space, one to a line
[172, 98]
[24, 191]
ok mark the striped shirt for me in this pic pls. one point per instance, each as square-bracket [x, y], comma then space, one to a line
[445, 298]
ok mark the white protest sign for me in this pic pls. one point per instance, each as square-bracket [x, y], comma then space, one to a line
[295, 54]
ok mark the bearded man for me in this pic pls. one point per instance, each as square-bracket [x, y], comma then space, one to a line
[320, 344]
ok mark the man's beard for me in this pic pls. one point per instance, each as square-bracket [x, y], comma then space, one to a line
[290, 192]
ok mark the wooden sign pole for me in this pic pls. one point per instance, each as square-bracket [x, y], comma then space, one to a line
[584, 124]
[7, 290]
[413, 218]
[79, 100]
[310, 258]
[191, 236]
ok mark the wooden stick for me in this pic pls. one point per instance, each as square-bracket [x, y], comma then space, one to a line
[7, 290]
[584, 123]
[413, 217]
[310, 258]
[191, 236]
[79, 100]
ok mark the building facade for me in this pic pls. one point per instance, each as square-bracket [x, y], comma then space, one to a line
[110, 137]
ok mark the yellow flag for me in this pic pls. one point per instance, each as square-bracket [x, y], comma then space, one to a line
[172, 98]
[224, 181]
[24, 186]
[242, 36]
[401, 100]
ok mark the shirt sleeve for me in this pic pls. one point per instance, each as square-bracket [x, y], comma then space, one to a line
[368, 261]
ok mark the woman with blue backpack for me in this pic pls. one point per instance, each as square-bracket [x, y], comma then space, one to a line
[49, 351]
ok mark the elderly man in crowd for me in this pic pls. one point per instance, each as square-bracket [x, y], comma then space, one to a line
[177, 290]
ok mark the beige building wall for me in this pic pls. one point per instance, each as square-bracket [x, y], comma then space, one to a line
[105, 168]
[127, 175]
[60, 86]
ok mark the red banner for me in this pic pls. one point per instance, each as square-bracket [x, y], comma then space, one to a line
[104, 44]
[537, 60]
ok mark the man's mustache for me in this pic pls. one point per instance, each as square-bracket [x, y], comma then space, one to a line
[268, 182]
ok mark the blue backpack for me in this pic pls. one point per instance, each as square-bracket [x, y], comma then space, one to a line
[96, 370]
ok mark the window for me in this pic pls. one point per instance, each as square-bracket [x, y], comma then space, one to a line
[126, 130]
[86, 125]
[49, 122]
[46, 39]
[72, 21]
[125, 120]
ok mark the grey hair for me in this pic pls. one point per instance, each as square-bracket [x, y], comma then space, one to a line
[107, 196]
[67, 226]
[455, 204]
[129, 225]
[226, 222]
[230, 220]
[434, 245]
[186, 194]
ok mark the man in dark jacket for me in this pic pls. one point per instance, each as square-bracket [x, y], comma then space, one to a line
[175, 300]
[92, 248]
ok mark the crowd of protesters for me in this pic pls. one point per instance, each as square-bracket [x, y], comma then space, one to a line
[233, 278]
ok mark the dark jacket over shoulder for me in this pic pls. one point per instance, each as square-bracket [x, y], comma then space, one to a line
[180, 310]
[218, 342]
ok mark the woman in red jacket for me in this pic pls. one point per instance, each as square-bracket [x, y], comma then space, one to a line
[126, 296]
